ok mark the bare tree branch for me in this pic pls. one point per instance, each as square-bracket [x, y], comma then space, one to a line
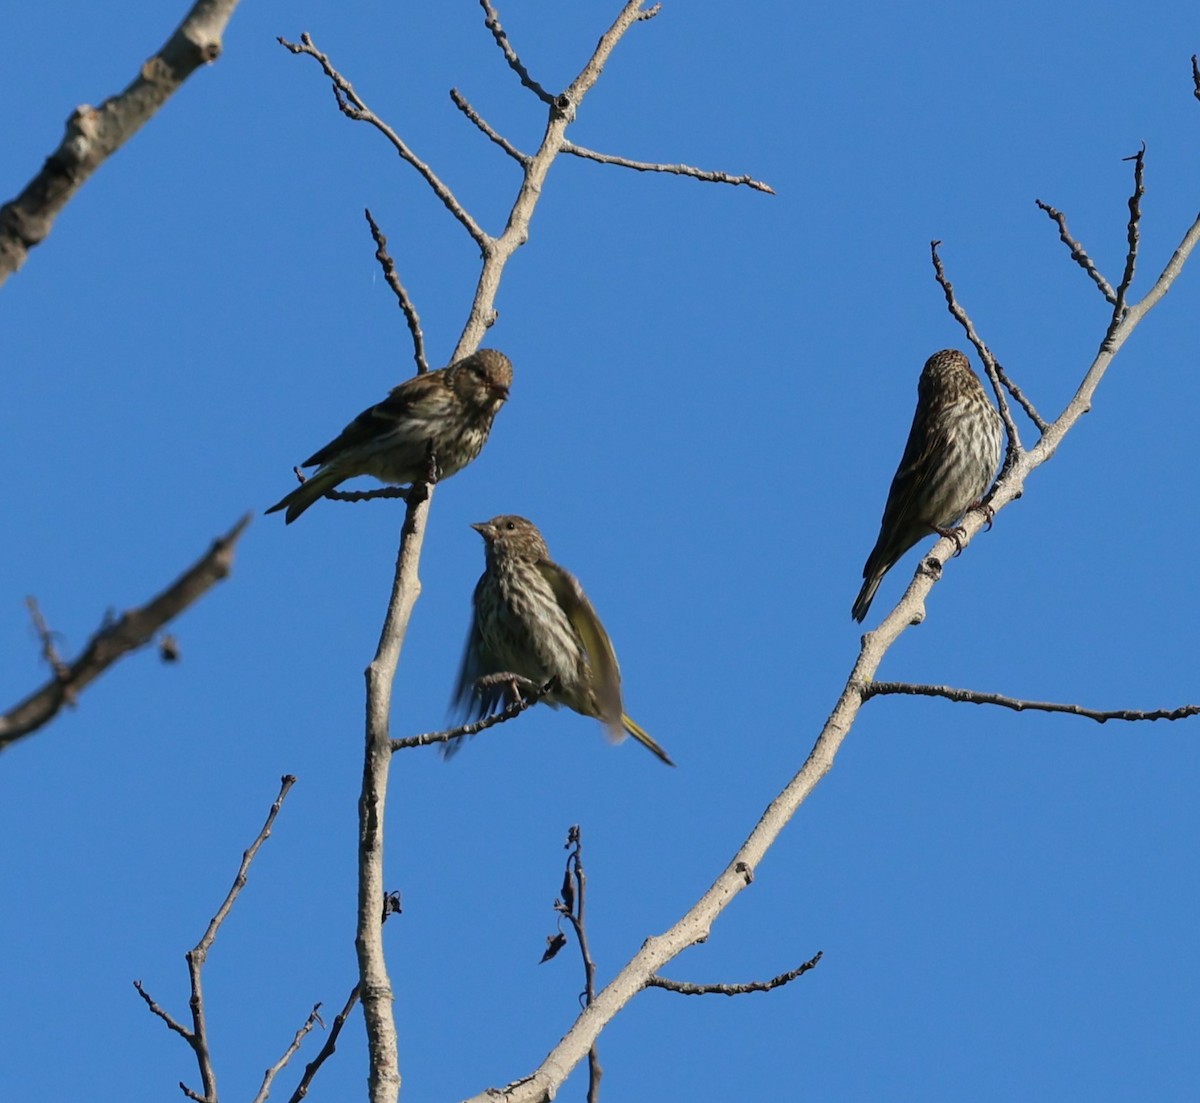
[695, 925]
[460, 101]
[335, 495]
[127, 633]
[172, 1023]
[352, 106]
[677, 170]
[376, 991]
[264, 1091]
[402, 297]
[683, 988]
[1000, 382]
[572, 905]
[510, 711]
[375, 986]
[95, 133]
[492, 22]
[1133, 237]
[976, 697]
[1078, 253]
[197, 1036]
[314, 1066]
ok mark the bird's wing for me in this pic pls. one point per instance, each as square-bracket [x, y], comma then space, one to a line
[606, 674]
[373, 422]
[926, 438]
[475, 664]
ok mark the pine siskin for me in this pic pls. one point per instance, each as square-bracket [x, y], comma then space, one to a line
[533, 620]
[447, 412]
[951, 456]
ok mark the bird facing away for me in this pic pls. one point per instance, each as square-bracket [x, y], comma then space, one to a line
[447, 412]
[534, 622]
[951, 456]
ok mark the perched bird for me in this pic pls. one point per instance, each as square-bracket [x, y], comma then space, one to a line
[447, 412]
[949, 461]
[534, 623]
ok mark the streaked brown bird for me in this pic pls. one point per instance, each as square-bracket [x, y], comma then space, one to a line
[533, 620]
[949, 461]
[447, 412]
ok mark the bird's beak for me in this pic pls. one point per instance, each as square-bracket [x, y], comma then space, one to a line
[500, 391]
[483, 528]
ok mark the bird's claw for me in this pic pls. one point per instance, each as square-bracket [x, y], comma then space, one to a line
[989, 514]
[957, 533]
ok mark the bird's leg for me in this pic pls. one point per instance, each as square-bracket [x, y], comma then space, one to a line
[514, 687]
[432, 472]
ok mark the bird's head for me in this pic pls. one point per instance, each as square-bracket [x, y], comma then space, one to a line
[482, 379]
[510, 535]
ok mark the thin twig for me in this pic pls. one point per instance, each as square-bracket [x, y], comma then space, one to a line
[155, 1009]
[976, 697]
[1195, 78]
[1078, 253]
[357, 495]
[314, 1017]
[402, 297]
[197, 956]
[239, 882]
[49, 648]
[711, 177]
[313, 1067]
[509, 712]
[197, 1036]
[1132, 236]
[573, 906]
[353, 107]
[1000, 382]
[460, 101]
[116, 638]
[368, 495]
[683, 988]
[492, 22]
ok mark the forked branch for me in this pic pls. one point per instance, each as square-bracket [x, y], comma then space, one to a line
[996, 375]
[696, 924]
[197, 1035]
[376, 992]
[354, 107]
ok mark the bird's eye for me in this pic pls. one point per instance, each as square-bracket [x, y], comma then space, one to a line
[510, 526]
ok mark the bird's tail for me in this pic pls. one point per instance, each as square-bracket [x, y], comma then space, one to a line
[866, 595]
[643, 737]
[305, 494]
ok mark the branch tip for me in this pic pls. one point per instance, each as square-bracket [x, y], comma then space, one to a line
[403, 300]
[976, 697]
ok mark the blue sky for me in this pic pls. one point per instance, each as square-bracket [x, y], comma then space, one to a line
[712, 391]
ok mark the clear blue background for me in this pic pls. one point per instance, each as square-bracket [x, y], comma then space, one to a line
[712, 390]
